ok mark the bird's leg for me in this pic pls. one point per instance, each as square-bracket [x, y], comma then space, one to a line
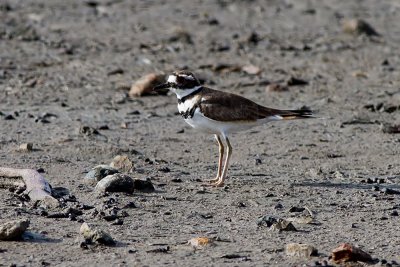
[221, 158]
[221, 179]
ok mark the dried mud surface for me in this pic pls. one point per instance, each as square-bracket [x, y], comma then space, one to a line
[68, 64]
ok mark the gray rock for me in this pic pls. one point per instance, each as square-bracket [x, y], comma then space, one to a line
[14, 229]
[98, 236]
[99, 172]
[115, 183]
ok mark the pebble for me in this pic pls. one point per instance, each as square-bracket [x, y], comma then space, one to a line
[200, 242]
[296, 209]
[293, 81]
[9, 117]
[394, 213]
[93, 235]
[275, 224]
[116, 183]
[300, 250]
[99, 172]
[122, 163]
[26, 147]
[358, 27]
[14, 229]
[88, 131]
[251, 69]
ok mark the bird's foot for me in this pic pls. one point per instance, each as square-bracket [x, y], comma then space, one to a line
[214, 183]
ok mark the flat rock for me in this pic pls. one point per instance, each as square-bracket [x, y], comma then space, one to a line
[116, 183]
[99, 172]
[14, 229]
[347, 252]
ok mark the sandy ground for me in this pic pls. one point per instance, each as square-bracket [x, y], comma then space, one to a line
[67, 64]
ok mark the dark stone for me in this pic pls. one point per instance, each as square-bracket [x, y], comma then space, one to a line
[143, 186]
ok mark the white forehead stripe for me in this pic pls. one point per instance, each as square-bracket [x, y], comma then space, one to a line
[187, 76]
[171, 79]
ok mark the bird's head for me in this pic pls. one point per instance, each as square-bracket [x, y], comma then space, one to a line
[180, 82]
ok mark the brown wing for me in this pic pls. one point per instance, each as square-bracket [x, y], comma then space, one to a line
[223, 106]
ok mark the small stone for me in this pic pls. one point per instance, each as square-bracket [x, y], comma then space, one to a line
[358, 27]
[359, 74]
[293, 81]
[300, 250]
[122, 163]
[278, 206]
[9, 117]
[14, 229]
[144, 86]
[283, 225]
[117, 222]
[266, 220]
[116, 183]
[394, 213]
[200, 242]
[276, 87]
[296, 209]
[276, 224]
[87, 130]
[99, 172]
[347, 252]
[143, 186]
[26, 147]
[251, 69]
[96, 235]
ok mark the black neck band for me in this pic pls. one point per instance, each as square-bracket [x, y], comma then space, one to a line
[181, 100]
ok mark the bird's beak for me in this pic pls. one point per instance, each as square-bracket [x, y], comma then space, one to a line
[162, 86]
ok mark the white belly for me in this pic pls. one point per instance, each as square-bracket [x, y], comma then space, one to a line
[204, 124]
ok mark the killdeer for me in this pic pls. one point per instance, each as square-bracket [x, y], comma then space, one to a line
[221, 113]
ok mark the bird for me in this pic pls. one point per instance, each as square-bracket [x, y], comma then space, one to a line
[221, 113]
